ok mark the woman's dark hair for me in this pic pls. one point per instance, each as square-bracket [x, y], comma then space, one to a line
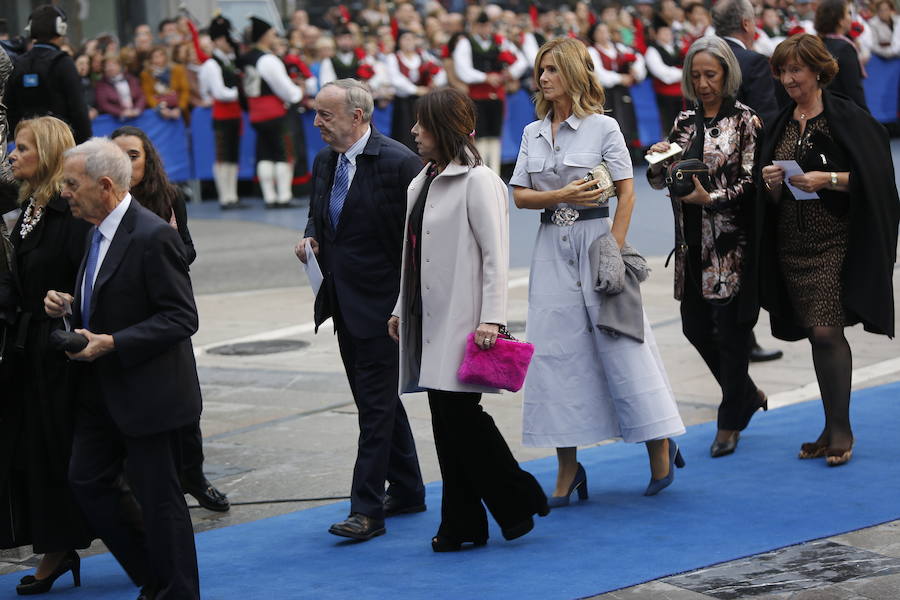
[829, 16]
[154, 191]
[809, 50]
[449, 115]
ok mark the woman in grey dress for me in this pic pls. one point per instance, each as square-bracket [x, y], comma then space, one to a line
[583, 385]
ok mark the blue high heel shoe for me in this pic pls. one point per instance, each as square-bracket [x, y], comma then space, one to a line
[579, 483]
[675, 460]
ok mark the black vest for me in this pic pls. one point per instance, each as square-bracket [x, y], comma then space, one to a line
[253, 85]
[229, 72]
[486, 61]
[345, 71]
[671, 60]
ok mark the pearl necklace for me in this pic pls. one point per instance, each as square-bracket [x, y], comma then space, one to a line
[31, 218]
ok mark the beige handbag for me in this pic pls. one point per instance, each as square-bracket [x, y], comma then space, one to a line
[604, 180]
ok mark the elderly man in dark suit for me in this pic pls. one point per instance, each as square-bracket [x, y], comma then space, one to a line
[138, 381]
[735, 22]
[355, 227]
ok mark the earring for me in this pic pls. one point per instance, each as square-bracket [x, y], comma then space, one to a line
[818, 76]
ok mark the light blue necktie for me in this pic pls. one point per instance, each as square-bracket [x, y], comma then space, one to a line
[339, 190]
[89, 269]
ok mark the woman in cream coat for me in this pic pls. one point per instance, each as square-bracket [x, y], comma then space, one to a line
[455, 260]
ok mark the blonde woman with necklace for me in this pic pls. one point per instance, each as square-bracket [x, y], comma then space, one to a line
[826, 262]
[36, 417]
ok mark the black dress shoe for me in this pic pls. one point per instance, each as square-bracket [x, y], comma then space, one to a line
[724, 448]
[359, 527]
[443, 543]
[393, 506]
[519, 529]
[206, 495]
[759, 354]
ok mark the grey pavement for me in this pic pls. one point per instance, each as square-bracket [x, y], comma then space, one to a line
[281, 425]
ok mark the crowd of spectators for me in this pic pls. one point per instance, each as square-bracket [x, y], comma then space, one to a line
[158, 68]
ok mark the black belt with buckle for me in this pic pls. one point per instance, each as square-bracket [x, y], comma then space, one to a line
[582, 215]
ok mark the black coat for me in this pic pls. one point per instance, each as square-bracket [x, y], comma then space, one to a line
[36, 403]
[142, 296]
[874, 214]
[848, 80]
[757, 84]
[361, 260]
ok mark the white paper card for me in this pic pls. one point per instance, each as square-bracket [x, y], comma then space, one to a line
[791, 168]
[313, 272]
[655, 157]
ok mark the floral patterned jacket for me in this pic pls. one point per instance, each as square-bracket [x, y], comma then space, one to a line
[729, 150]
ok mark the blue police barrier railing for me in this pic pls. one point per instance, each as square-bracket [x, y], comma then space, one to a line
[190, 153]
[882, 87]
[169, 136]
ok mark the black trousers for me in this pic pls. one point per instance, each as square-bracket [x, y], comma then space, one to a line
[162, 555]
[669, 107]
[477, 465]
[386, 450]
[273, 140]
[724, 343]
[228, 140]
[192, 453]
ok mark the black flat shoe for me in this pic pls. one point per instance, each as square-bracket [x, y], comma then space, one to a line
[30, 585]
[759, 354]
[442, 543]
[206, 495]
[724, 448]
[358, 527]
[393, 506]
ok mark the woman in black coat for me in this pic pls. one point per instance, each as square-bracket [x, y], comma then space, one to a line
[826, 263]
[833, 19]
[151, 187]
[36, 417]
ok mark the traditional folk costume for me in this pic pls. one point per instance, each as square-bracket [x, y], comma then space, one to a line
[474, 58]
[220, 79]
[408, 73]
[664, 64]
[269, 91]
[610, 64]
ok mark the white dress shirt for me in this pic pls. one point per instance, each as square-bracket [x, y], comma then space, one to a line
[273, 72]
[108, 228]
[212, 84]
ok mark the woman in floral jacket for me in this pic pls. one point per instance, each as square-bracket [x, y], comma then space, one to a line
[711, 230]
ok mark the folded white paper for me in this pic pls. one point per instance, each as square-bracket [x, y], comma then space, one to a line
[313, 272]
[791, 168]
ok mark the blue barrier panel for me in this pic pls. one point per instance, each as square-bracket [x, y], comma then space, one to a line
[169, 137]
[383, 118]
[203, 146]
[650, 130]
[882, 87]
[519, 113]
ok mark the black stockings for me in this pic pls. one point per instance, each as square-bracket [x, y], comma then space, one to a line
[834, 364]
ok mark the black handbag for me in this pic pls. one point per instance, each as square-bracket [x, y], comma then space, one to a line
[680, 176]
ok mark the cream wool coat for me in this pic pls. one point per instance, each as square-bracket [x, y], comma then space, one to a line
[465, 264]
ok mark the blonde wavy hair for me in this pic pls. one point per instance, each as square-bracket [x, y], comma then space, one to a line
[576, 69]
[52, 137]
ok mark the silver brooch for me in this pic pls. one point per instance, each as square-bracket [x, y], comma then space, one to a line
[563, 217]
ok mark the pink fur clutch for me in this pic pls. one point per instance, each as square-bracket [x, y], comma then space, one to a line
[504, 366]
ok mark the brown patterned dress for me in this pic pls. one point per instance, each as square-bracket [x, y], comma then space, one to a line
[812, 234]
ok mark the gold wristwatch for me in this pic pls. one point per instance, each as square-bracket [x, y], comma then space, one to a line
[834, 181]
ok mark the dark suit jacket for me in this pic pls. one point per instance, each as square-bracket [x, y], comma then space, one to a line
[757, 84]
[142, 297]
[361, 260]
[107, 100]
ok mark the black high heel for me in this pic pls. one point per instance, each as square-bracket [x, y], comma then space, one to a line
[443, 543]
[30, 585]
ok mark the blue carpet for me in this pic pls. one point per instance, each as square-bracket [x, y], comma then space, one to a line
[757, 500]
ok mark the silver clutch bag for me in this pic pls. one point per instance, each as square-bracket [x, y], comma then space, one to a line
[604, 180]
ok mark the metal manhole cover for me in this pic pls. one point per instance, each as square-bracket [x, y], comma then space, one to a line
[257, 348]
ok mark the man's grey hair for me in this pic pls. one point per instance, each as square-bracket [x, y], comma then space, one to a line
[720, 49]
[358, 96]
[728, 16]
[103, 158]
